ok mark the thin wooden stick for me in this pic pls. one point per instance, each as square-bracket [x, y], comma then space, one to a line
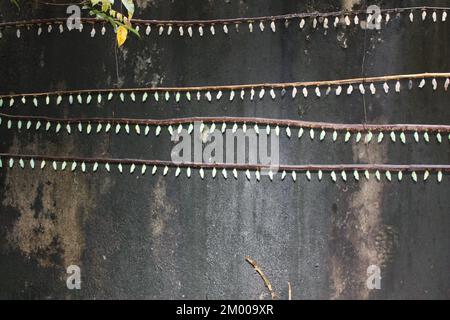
[290, 16]
[263, 276]
[247, 120]
[239, 86]
[239, 166]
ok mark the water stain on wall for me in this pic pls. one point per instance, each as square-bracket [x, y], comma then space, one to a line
[52, 208]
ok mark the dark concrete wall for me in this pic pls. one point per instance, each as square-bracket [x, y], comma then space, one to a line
[166, 237]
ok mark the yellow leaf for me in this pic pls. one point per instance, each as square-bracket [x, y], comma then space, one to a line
[122, 34]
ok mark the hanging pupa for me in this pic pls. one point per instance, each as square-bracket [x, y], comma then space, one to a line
[362, 90]
[387, 18]
[92, 32]
[439, 137]
[99, 128]
[333, 176]
[300, 132]
[403, 138]
[368, 138]
[380, 137]
[344, 175]
[169, 30]
[426, 175]
[314, 23]
[219, 95]
[325, 23]
[177, 172]
[347, 20]
[188, 172]
[235, 175]
[277, 131]
[235, 127]
[272, 26]
[318, 92]
[356, 175]
[439, 176]
[288, 132]
[388, 175]
[224, 173]
[319, 175]
[50, 28]
[336, 21]
[244, 127]
[294, 92]
[225, 29]
[208, 96]
[444, 16]
[400, 176]
[338, 90]
[148, 30]
[261, 26]
[424, 15]
[426, 137]
[347, 136]
[18, 33]
[322, 135]
[372, 88]
[302, 23]
[308, 175]
[392, 135]
[272, 94]
[356, 20]
[213, 30]
[261, 93]
[305, 92]
[411, 17]
[252, 94]
[397, 86]
[414, 176]
[386, 87]
[358, 137]
[434, 83]
[232, 95]
[349, 89]
[202, 173]
[250, 27]
[335, 134]
[311, 134]
[242, 94]
[214, 172]
[422, 83]
[283, 175]
[294, 176]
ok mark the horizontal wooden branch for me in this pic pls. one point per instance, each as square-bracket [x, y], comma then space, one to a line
[241, 120]
[282, 17]
[284, 85]
[237, 166]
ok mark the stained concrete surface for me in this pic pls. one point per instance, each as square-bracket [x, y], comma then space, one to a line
[157, 237]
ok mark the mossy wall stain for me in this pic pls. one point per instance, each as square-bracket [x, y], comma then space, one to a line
[52, 207]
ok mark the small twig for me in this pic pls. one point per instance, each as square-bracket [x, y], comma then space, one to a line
[263, 276]
[277, 85]
[351, 127]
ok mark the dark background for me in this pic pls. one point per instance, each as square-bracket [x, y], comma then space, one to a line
[157, 237]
